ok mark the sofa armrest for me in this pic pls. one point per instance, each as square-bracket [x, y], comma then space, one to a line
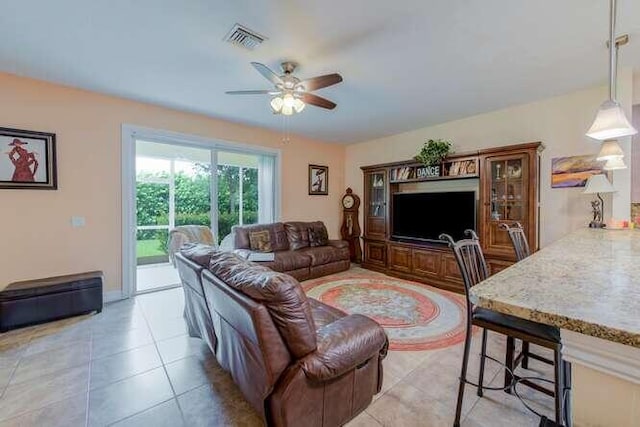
[339, 244]
[343, 345]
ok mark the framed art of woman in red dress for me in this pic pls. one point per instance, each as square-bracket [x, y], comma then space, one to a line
[27, 159]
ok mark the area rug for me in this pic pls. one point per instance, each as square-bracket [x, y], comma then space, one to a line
[415, 316]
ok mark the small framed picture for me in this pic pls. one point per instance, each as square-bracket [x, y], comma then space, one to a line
[318, 180]
[27, 160]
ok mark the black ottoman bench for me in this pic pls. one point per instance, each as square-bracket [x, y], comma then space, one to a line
[42, 300]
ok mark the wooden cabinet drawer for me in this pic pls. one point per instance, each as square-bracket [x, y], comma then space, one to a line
[400, 258]
[426, 263]
[375, 253]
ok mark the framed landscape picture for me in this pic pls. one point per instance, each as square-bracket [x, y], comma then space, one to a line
[574, 171]
[27, 160]
[318, 180]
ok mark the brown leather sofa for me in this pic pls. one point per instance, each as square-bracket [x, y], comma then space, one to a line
[192, 259]
[294, 251]
[297, 361]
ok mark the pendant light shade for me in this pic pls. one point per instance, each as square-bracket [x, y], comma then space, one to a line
[610, 122]
[614, 164]
[610, 150]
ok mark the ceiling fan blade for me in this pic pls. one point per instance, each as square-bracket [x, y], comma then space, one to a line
[252, 92]
[318, 101]
[267, 73]
[319, 82]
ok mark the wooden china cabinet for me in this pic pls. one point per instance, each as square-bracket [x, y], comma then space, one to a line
[506, 181]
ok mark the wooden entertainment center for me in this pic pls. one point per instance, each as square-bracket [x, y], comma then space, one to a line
[506, 180]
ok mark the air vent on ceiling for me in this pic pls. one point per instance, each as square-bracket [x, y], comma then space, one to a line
[244, 37]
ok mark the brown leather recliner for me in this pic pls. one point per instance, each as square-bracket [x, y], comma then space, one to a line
[297, 361]
[192, 259]
[295, 253]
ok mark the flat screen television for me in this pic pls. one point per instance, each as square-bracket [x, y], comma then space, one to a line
[424, 216]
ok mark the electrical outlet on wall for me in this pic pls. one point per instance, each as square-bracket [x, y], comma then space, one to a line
[78, 221]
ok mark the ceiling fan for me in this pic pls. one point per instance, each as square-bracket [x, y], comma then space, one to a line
[292, 94]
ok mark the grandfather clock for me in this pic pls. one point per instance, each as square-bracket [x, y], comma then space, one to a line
[350, 230]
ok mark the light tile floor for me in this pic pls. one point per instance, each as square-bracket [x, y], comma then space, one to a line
[154, 276]
[134, 365]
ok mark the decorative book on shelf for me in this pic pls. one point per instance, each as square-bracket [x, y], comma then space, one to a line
[461, 168]
[457, 168]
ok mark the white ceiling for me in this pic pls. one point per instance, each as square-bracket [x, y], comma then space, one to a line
[406, 64]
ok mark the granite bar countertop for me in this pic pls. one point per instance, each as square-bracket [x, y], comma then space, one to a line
[587, 282]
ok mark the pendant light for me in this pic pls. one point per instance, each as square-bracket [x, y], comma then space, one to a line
[613, 164]
[610, 121]
[610, 150]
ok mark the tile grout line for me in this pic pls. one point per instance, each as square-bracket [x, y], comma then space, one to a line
[164, 367]
[140, 412]
[87, 406]
[21, 357]
[15, 368]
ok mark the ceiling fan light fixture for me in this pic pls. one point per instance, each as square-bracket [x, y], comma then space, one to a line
[289, 100]
[298, 105]
[292, 95]
[276, 104]
[287, 110]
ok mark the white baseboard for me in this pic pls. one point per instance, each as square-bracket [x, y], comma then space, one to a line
[112, 296]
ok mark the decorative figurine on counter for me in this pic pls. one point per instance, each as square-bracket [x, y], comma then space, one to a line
[597, 215]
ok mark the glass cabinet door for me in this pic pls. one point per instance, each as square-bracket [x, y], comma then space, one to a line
[376, 204]
[506, 184]
[508, 189]
[376, 194]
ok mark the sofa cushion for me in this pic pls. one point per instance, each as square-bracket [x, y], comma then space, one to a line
[260, 241]
[298, 234]
[318, 235]
[289, 260]
[281, 294]
[283, 261]
[321, 255]
[198, 253]
[277, 236]
[340, 244]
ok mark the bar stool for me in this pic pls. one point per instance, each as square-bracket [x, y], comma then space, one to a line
[518, 239]
[521, 248]
[474, 270]
[520, 244]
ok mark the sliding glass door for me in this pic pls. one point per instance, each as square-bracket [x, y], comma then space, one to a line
[173, 188]
[238, 188]
[178, 184]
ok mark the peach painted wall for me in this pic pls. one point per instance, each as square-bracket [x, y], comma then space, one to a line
[560, 123]
[37, 237]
